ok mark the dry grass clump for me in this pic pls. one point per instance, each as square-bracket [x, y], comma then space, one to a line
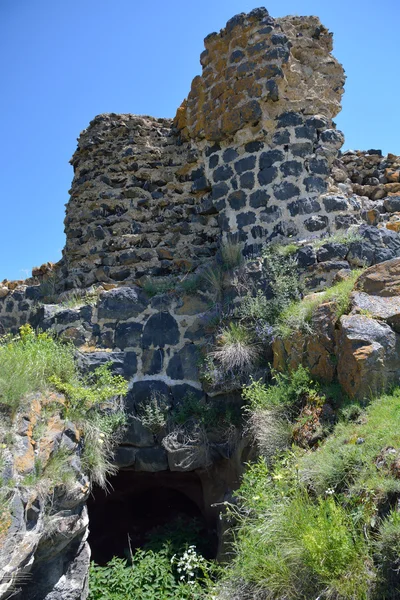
[237, 350]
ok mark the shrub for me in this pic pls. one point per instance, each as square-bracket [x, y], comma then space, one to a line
[38, 362]
[287, 390]
[151, 575]
[280, 269]
[291, 546]
[154, 413]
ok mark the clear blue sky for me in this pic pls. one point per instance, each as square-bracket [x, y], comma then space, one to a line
[64, 61]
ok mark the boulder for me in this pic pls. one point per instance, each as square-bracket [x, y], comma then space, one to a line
[367, 354]
[381, 280]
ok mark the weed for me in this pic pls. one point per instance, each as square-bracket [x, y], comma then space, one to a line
[285, 393]
[75, 298]
[283, 285]
[27, 363]
[214, 277]
[154, 413]
[151, 575]
[237, 350]
[297, 316]
[232, 254]
[38, 362]
[158, 285]
[190, 283]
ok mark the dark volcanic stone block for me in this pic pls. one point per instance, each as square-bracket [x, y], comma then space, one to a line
[281, 137]
[332, 251]
[289, 119]
[222, 173]
[183, 365]
[128, 334]
[267, 175]
[316, 223]
[122, 303]
[259, 198]
[270, 214]
[229, 155]
[245, 164]
[333, 203]
[267, 159]
[219, 190]
[315, 184]
[247, 180]
[237, 199]
[286, 191]
[292, 167]
[306, 256]
[254, 146]
[152, 361]
[244, 219]
[141, 392]
[160, 330]
[303, 206]
[302, 149]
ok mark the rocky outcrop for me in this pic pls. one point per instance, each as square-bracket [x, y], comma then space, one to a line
[360, 349]
[43, 521]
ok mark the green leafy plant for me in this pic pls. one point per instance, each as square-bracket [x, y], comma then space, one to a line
[154, 413]
[151, 575]
[284, 286]
[287, 390]
[28, 361]
[40, 363]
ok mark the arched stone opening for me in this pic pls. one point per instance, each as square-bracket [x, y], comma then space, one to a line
[139, 504]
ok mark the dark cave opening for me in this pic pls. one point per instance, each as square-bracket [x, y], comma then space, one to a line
[144, 510]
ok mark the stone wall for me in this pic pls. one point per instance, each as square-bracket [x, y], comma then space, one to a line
[132, 211]
[248, 155]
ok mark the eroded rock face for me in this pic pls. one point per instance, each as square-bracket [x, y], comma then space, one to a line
[382, 280]
[43, 526]
[360, 349]
[368, 356]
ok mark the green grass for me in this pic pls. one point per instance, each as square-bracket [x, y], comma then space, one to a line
[232, 254]
[40, 363]
[287, 390]
[345, 237]
[158, 285]
[323, 523]
[297, 316]
[28, 361]
[345, 464]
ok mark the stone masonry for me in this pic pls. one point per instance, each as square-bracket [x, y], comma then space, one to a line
[249, 154]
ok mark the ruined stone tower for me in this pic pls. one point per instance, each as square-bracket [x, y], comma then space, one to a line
[249, 154]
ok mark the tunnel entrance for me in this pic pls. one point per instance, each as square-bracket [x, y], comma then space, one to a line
[147, 510]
